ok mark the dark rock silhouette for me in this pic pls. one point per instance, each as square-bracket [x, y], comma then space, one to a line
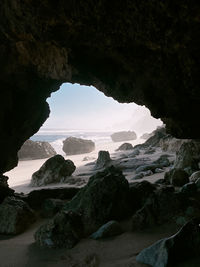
[54, 170]
[103, 160]
[125, 146]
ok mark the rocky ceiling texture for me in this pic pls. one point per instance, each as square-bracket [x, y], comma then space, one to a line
[142, 51]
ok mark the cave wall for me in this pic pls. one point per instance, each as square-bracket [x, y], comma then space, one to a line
[144, 51]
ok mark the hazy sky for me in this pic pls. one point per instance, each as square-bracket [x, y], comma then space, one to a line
[85, 108]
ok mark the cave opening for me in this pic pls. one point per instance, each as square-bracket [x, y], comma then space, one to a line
[82, 112]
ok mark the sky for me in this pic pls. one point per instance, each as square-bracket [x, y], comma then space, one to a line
[77, 107]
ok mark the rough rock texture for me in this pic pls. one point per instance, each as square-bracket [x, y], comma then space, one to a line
[15, 216]
[185, 244]
[54, 170]
[104, 198]
[63, 231]
[171, 144]
[111, 228]
[103, 160]
[123, 136]
[135, 51]
[4, 188]
[125, 146]
[176, 177]
[146, 136]
[188, 155]
[195, 176]
[36, 150]
[74, 146]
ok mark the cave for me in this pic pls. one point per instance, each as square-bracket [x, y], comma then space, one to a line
[145, 52]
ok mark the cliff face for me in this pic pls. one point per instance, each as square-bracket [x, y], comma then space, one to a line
[145, 52]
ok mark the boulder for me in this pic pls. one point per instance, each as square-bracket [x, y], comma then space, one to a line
[36, 150]
[176, 177]
[51, 206]
[36, 198]
[15, 216]
[195, 176]
[4, 188]
[123, 136]
[103, 160]
[63, 231]
[189, 189]
[185, 244]
[111, 228]
[148, 167]
[163, 161]
[54, 170]
[125, 146]
[104, 198]
[188, 155]
[171, 144]
[74, 146]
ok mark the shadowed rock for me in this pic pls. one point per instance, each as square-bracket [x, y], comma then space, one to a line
[54, 170]
[185, 244]
[74, 146]
[15, 216]
[103, 160]
[176, 177]
[4, 188]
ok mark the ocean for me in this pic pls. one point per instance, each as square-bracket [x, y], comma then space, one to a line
[56, 137]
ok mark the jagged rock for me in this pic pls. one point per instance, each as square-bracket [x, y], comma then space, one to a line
[51, 206]
[125, 146]
[195, 176]
[4, 188]
[36, 198]
[54, 170]
[63, 231]
[104, 198]
[148, 167]
[177, 177]
[74, 146]
[160, 207]
[189, 189]
[185, 244]
[188, 155]
[135, 152]
[171, 144]
[123, 136]
[139, 192]
[111, 228]
[36, 150]
[15, 216]
[103, 160]
[163, 161]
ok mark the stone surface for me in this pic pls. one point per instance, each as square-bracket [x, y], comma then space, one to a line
[103, 160]
[188, 155]
[177, 177]
[125, 146]
[189, 189]
[111, 228]
[51, 206]
[36, 198]
[74, 146]
[163, 161]
[195, 176]
[123, 136]
[4, 188]
[146, 136]
[148, 167]
[63, 231]
[173, 250]
[171, 144]
[15, 216]
[36, 150]
[104, 198]
[54, 170]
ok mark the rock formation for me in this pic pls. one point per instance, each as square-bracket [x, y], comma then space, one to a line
[125, 146]
[54, 170]
[123, 136]
[103, 160]
[36, 150]
[145, 52]
[74, 146]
